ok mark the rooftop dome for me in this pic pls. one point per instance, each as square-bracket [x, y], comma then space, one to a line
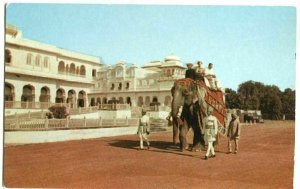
[172, 58]
[154, 63]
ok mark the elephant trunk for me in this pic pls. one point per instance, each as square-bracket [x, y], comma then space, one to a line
[176, 103]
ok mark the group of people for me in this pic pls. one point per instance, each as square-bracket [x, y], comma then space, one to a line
[206, 75]
[233, 132]
[210, 132]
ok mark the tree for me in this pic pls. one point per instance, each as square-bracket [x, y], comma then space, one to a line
[248, 94]
[272, 102]
[232, 100]
[288, 103]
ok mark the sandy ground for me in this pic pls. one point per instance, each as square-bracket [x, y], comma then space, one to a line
[265, 160]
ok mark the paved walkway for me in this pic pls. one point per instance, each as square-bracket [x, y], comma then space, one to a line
[265, 160]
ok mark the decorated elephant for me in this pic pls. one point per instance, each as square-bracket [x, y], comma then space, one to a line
[183, 93]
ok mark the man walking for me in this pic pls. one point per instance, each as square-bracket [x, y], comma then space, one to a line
[210, 132]
[233, 133]
[144, 130]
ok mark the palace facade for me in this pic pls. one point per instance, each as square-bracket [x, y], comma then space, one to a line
[38, 75]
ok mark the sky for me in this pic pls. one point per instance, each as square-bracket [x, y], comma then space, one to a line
[243, 42]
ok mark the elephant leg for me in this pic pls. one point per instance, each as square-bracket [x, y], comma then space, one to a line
[182, 137]
[196, 139]
[175, 132]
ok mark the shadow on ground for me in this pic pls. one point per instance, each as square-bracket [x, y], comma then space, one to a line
[156, 146]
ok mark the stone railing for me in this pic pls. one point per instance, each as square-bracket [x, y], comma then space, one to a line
[54, 124]
[46, 105]
[72, 111]
[31, 105]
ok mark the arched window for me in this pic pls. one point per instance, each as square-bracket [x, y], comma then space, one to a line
[98, 100]
[128, 100]
[9, 92]
[61, 66]
[104, 101]
[45, 96]
[93, 102]
[37, 60]
[72, 68]
[7, 56]
[82, 70]
[60, 96]
[140, 101]
[46, 62]
[154, 99]
[29, 59]
[28, 95]
[71, 98]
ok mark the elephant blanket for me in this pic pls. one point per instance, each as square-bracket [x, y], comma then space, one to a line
[213, 98]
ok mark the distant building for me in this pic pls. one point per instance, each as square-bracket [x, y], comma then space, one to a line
[138, 86]
[38, 75]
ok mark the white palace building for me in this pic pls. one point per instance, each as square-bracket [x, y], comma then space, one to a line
[38, 75]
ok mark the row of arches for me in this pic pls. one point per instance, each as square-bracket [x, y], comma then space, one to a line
[62, 96]
[141, 101]
[37, 61]
[72, 69]
[120, 86]
[7, 56]
[105, 100]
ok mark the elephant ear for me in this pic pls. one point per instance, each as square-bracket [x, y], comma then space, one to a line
[172, 90]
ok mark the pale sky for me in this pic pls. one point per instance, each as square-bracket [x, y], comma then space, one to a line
[243, 42]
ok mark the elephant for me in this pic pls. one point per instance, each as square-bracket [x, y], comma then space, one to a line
[183, 95]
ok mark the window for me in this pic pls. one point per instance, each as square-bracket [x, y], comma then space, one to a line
[37, 60]
[112, 86]
[61, 66]
[46, 62]
[7, 56]
[29, 59]
[72, 68]
[94, 73]
[82, 70]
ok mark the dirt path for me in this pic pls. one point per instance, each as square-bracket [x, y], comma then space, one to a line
[265, 160]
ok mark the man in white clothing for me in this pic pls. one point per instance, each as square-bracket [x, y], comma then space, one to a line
[211, 77]
[210, 132]
[144, 130]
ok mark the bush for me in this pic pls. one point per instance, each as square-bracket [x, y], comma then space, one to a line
[59, 112]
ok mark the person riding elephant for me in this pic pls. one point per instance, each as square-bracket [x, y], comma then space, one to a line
[190, 72]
